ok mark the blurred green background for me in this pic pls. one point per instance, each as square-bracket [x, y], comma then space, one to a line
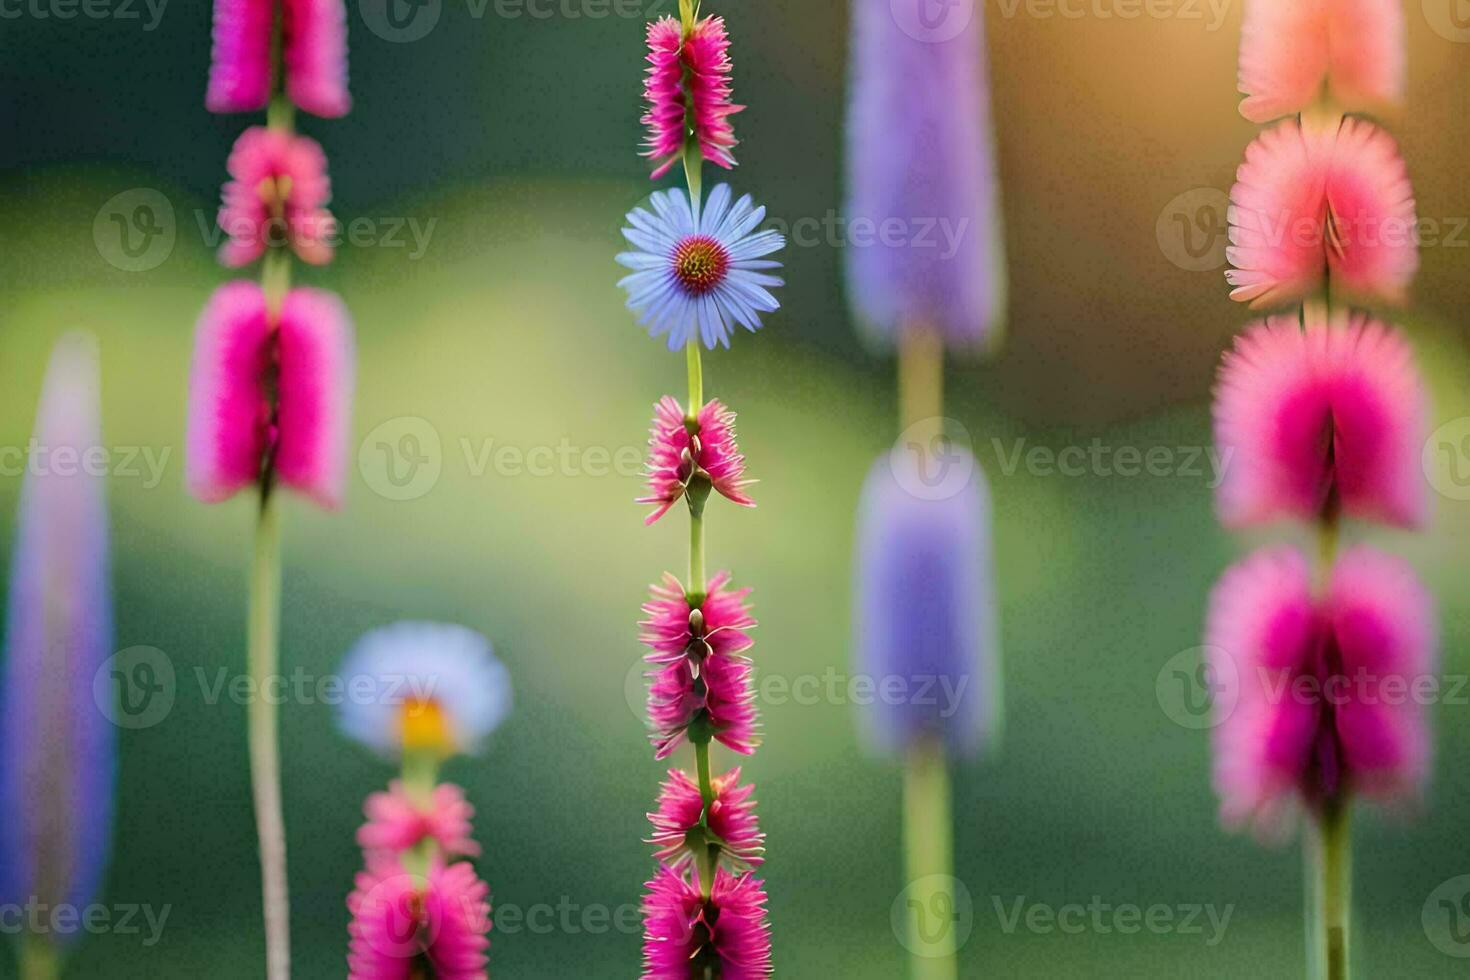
[515, 136]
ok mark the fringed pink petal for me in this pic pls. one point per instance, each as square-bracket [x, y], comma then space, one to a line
[1322, 416]
[399, 919]
[396, 822]
[1321, 196]
[1372, 242]
[316, 56]
[229, 414]
[1291, 49]
[1383, 627]
[1259, 635]
[685, 935]
[277, 197]
[688, 86]
[240, 67]
[317, 372]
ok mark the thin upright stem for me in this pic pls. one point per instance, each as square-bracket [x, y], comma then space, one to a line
[696, 378]
[929, 862]
[1331, 869]
[39, 959]
[921, 380]
[265, 754]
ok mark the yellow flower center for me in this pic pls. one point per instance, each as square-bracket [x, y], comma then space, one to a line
[701, 263]
[425, 727]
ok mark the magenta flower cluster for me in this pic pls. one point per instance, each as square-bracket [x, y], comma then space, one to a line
[1321, 413]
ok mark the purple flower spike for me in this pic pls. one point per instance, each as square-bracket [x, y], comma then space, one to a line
[924, 219]
[56, 744]
[925, 613]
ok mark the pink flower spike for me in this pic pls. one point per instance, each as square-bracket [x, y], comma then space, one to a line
[396, 822]
[1316, 199]
[229, 421]
[685, 936]
[1329, 415]
[240, 67]
[317, 371]
[1291, 49]
[236, 429]
[400, 920]
[699, 670]
[315, 34]
[675, 456]
[277, 196]
[1317, 694]
[732, 821]
[688, 83]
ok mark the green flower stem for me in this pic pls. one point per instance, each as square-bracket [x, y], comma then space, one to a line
[928, 845]
[39, 959]
[1330, 889]
[265, 757]
[696, 379]
[711, 854]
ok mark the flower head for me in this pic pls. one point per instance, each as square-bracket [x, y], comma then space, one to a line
[1321, 199]
[700, 675]
[677, 456]
[1320, 418]
[315, 35]
[397, 822]
[1310, 711]
[314, 52]
[697, 277]
[921, 160]
[58, 744]
[1291, 50]
[427, 687]
[684, 935]
[688, 93]
[405, 925]
[924, 608]
[679, 835]
[264, 400]
[277, 197]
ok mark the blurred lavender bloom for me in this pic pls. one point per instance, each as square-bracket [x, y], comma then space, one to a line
[925, 613]
[925, 245]
[56, 743]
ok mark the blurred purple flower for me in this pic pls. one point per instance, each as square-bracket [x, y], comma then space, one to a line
[57, 745]
[924, 217]
[924, 613]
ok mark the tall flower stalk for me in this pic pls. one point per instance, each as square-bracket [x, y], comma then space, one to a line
[1322, 410]
[57, 749]
[924, 610]
[699, 268]
[271, 381]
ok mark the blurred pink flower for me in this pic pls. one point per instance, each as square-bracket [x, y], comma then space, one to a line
[270, 398]
[1321, 200]
[685, 936]
[1311, 418]
[732, 820]
[1315, 697]
[675, 456]
[688, 84]
[314, 51]
[700, 673]
[402, 923]
[240, 68]
[1291, 50]
[277, 197]
[396, 822]
[316, 56]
